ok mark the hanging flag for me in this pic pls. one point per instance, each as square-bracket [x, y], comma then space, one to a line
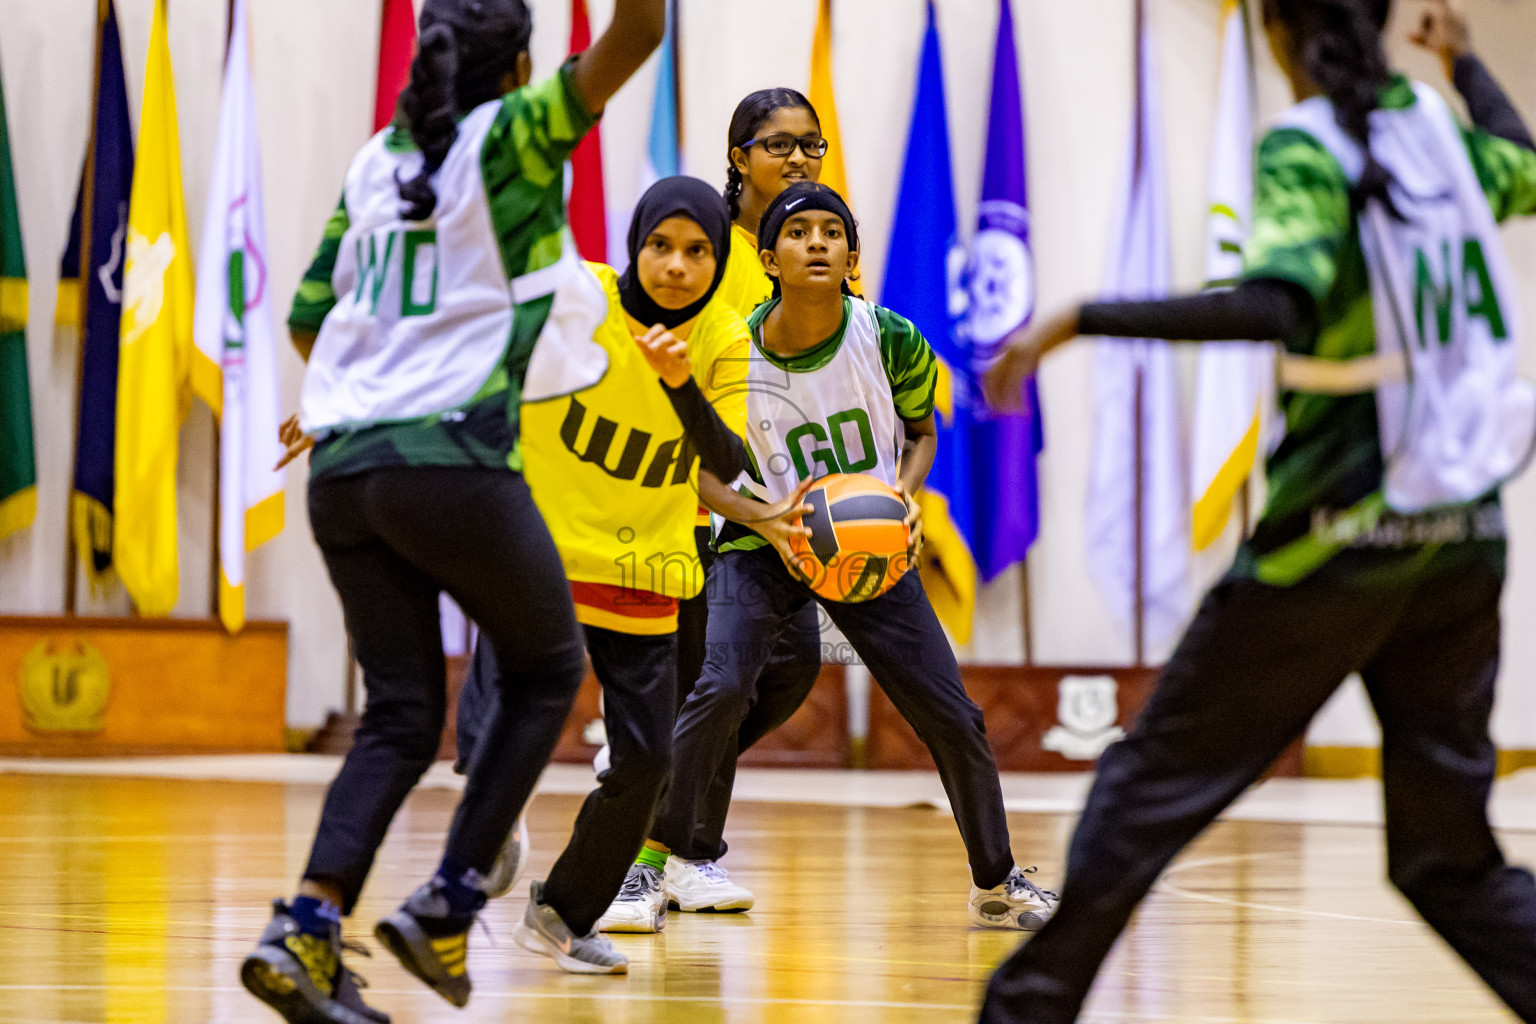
[18, 468]
[95, 253]
[1131, 375]
[397, 48]
[664, 145]
[585, 208]
[824, 98]
[995, 497]
[664, 148]
[156, 341]
[235, 365]
[917, 286]
[1235, 379]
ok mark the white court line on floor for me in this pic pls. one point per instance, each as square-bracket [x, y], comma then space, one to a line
[1163, 885]
[1297, 801]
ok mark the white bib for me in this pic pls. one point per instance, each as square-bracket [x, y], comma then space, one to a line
[424, 309]
[839, 418]
[1460, 421]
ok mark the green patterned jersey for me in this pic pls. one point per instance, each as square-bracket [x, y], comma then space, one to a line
[1328, 469]
[453, 382]
[838, 407]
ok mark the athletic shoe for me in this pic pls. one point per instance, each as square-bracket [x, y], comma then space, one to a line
[431, 941]
[510, 863]
[641, 905]
[302, 976]
[694, 885]
[543, 932]
[1017, 904]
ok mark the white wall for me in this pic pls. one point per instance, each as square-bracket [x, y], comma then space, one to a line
[315, 70]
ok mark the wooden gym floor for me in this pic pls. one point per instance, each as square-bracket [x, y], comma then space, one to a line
[134, 900]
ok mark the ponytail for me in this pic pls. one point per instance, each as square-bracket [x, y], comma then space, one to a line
[467, 50]
[751, 114]
[430, 108]
[1339, 45]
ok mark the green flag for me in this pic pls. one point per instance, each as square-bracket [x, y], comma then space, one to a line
[18, 471]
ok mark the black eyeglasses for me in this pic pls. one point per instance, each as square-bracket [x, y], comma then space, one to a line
[783, 144]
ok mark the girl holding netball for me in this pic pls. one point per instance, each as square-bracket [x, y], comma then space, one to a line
[412, 397]
[818, 354]
[1382, 550]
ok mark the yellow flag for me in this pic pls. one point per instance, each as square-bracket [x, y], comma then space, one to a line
[822, 96]
[153, 392]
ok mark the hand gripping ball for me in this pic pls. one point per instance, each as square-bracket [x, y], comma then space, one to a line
[859, 537]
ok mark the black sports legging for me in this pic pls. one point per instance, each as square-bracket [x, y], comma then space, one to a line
[392, 540]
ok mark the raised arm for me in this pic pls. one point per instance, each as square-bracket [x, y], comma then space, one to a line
[1442, 30]
[636, 30]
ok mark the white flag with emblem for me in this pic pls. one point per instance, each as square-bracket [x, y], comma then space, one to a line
[235, 369]
[1235, 381]
[1121, 496]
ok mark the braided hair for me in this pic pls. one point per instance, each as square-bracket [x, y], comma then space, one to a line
[467, 49]
[1339, 44]
[751, 114]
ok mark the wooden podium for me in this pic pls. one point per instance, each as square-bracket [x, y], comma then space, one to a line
[78, 686]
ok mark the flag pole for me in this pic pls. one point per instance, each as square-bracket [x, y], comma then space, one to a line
[1026, 612]
[215, 520]
[83, 275]
[1138, 545]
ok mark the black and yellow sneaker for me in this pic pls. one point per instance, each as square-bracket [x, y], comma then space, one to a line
[431, 941]
[303, 977]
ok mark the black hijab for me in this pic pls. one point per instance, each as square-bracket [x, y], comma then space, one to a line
[674, 197]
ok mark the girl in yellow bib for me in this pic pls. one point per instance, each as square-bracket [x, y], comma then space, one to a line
[614, 473]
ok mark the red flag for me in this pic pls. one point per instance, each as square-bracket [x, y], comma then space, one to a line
[397, 47]
[586, 212]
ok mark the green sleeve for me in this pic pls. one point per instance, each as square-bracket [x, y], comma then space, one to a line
[1301, 214]
[910, 364]
[317, 295]
[1506, 171]
[536, 130]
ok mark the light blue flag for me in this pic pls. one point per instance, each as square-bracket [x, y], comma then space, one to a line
[663, 156]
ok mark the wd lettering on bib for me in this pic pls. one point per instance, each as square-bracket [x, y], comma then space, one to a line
[1437, 285]
[417, 268]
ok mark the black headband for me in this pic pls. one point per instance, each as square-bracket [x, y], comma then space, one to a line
[799, 198]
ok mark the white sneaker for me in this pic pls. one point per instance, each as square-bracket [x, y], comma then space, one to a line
[1017, 904]
[510, 863]
[641, 906]
[694, 885]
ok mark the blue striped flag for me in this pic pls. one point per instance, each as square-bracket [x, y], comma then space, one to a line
[108, 175]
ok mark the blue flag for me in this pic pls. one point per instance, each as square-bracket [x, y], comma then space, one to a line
[1002, 518]
[663, 148]
[109, 176]
[917, 286]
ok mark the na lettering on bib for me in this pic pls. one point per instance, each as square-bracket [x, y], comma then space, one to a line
[1460, 421]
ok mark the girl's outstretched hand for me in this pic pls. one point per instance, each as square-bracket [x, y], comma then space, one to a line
[665, 354]
[1442, 30]
[294, 441]
[1003, 383]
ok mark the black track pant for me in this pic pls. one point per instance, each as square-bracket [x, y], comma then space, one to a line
[1254, 667]
[899, 638]
[392, 540]
[783, 686]
[638, 675]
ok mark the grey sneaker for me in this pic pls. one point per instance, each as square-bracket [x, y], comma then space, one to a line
[510, 864]
[431, 941]
[303, 978]
[641, 906]
[543, 932]
[1018, 904]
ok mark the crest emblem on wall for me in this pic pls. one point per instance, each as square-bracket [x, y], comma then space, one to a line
[64, 691]
[1087, 709]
